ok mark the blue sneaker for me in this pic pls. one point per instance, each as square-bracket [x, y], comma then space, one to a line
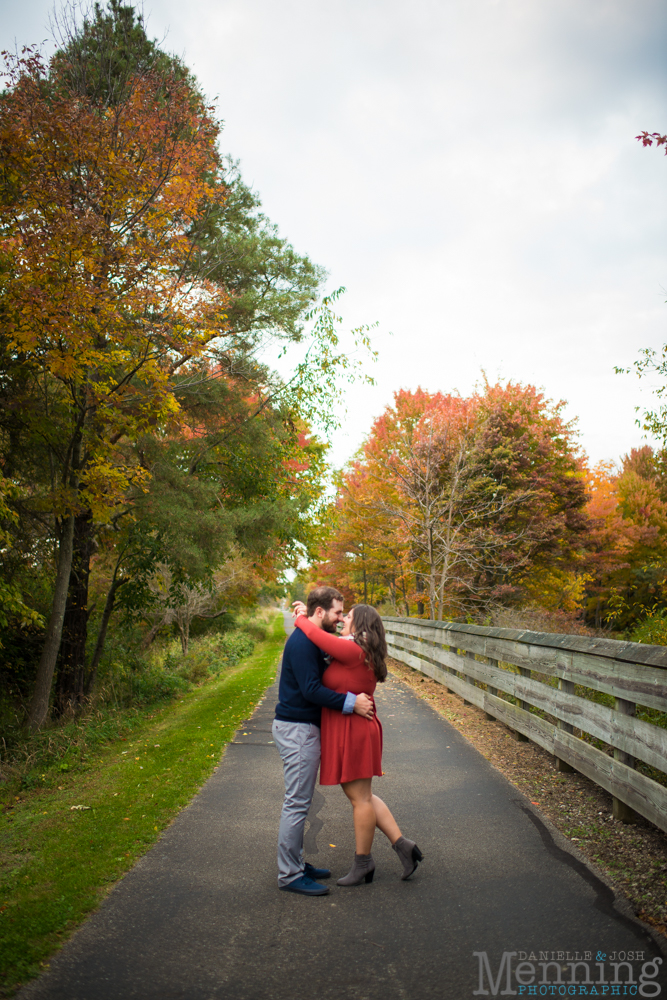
[306, 887]
[316, 872]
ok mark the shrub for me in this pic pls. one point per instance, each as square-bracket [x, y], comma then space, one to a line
[214, 653]
[235, 645]
[652, 630]
[156, 684]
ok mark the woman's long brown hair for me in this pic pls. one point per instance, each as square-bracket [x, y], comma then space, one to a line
[369, 634]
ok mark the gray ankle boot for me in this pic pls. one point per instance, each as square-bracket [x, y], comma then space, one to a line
[362, 870]
[409, 854]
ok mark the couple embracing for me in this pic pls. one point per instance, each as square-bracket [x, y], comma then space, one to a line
[326, 713]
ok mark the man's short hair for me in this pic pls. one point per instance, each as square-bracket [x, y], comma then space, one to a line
[322, 597]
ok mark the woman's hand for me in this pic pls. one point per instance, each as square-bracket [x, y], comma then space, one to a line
[298, 608]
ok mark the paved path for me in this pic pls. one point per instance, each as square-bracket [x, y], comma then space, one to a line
[200, 916]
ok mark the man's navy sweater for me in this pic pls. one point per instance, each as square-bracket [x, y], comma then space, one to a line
[301, 693]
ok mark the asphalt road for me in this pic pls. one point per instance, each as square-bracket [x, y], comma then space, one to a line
[200, 917]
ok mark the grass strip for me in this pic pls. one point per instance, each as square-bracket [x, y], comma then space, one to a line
[63, 848]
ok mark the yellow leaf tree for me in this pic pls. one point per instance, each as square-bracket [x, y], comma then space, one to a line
[100, 205]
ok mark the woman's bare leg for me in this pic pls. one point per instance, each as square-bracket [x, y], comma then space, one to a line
[384, 820]
[363, 813]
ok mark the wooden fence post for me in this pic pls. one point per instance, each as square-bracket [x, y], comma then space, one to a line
[491, 690]
[619, 809]
[452, 649]
[519, 737]
[469, 680]
[562, 765]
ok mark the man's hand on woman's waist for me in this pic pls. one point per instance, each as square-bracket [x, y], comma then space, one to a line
[359, 703]
[364, 706]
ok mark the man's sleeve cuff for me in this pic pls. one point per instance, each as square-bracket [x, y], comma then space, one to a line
[350, 700]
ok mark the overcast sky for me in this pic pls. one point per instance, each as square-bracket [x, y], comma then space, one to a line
[466, 168]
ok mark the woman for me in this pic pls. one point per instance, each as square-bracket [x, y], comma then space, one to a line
[352, 745]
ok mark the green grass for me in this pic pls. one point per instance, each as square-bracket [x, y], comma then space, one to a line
[57, 862]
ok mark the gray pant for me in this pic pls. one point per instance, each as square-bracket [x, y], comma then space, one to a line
[299, 746]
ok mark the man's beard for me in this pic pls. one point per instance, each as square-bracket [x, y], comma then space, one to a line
[328, 626]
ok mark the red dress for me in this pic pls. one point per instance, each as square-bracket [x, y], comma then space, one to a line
[351, 744]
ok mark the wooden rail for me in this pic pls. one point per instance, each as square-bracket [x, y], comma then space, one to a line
[555, 675]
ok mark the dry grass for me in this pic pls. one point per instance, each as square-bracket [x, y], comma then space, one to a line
[633, 857]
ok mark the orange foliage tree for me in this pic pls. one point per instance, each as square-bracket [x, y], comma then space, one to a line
[99, 208]
[453, 502]
[627, 541]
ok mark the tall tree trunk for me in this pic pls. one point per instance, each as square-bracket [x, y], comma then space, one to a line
[148, 639]
[404, 590]
[39, 706]
[183, 623]
[419, 587]
[444, 577]
[432, 602]
[102, 634]
[71, 680]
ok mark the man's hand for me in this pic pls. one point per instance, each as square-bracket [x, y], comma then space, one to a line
[298, 608]
[364, 706]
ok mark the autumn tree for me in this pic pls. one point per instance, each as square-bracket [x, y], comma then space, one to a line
[467, 497]
[13, 605]
[269, 287]
[627, 541]
[442, 496]
[363, 560]
[412, 491]
[140, 281]
[97, 211]
[531, 454]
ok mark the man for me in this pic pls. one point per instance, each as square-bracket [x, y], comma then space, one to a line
[296, 731]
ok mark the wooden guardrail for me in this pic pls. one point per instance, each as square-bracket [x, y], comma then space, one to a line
[553, 680]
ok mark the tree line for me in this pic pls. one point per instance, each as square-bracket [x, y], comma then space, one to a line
[152, 464]
[467, 507]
